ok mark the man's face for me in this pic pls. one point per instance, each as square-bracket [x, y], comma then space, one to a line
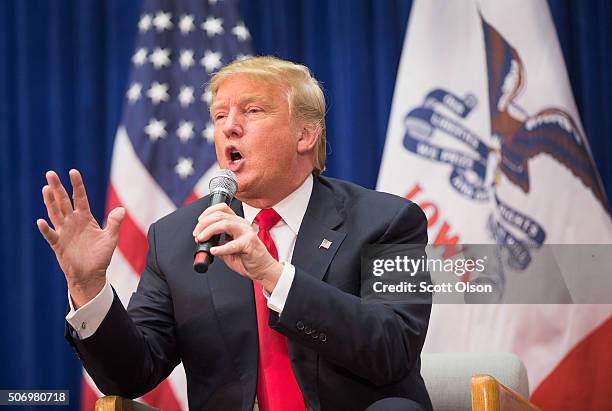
[255, 137]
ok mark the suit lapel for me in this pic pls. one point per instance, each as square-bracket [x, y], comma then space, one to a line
[312, 253]
[234, 303]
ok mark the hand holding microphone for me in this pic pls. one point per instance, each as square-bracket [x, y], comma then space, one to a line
[222, 187]
[243, 253]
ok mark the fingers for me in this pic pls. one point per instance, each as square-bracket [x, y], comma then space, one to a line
[59, 192]
[217, 214]
[47, 232]
[79, 195]
[229, 248]
[114, 220]
[217, 207]
[211, 219]
[56, 216]
[230, 227]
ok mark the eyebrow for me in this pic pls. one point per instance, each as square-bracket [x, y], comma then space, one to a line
[245, 99]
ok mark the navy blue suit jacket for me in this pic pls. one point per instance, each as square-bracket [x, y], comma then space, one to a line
[345, 354]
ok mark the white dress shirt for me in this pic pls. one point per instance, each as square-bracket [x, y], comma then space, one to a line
[86, 319]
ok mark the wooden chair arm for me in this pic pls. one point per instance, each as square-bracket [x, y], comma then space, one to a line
[488, 394]
[116, 403]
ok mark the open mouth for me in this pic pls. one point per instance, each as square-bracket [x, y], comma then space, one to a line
[234, 158]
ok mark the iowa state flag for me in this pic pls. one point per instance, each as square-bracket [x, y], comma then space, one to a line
[485, 136]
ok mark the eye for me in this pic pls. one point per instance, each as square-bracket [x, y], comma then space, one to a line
[219, 116]
[251, 110]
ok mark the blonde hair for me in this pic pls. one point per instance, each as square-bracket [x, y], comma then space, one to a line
[304, 94]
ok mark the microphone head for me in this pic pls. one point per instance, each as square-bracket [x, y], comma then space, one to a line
[224, 181]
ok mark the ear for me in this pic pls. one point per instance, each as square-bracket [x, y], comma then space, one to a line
[308, 138]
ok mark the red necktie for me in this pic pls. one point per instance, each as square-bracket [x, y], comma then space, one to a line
[277, 389]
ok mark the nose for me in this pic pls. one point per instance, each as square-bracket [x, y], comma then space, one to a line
[232, 126]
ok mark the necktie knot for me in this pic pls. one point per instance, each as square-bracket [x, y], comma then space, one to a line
[267, 218]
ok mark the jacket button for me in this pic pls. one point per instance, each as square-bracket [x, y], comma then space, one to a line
[299, 325]
[314, 335]
[322, 337]
[307, 330]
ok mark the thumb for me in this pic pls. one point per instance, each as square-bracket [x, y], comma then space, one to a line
[114, 219]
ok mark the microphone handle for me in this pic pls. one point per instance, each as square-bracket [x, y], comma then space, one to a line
[202, 257]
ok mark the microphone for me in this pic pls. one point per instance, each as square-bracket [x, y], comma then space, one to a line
[222, 187]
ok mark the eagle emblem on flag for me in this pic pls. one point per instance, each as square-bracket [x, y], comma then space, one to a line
[517, 136]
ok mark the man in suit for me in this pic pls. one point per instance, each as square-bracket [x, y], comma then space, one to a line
[277, 318]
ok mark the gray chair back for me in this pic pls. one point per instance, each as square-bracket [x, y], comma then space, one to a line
[447, 376]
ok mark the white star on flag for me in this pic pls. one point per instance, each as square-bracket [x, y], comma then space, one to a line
[140, 57]
[185, 131]
[162, 22]
[156, 129]
[213, 26]
[186, 24]
[209, 133]
[207, 97]
[133, 93]
[144, 23]
[158, 92]
[186, 59]
[211, 60]
[185, 96]
[160, 57]
[241, 32]
[184, 167]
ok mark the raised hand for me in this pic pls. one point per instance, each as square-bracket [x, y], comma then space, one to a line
[82, 248]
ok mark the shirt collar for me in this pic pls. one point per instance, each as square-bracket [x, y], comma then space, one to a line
[291, 209]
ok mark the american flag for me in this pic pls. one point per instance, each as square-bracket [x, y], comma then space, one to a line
[164, 152]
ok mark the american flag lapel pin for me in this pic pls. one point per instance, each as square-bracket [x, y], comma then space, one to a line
[325, 244]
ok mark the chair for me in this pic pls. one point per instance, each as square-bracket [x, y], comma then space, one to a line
[489, 395]
[455, 381]
[476, 381]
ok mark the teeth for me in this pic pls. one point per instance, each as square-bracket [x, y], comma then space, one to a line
[235, 156]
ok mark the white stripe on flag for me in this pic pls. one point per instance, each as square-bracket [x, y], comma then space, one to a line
[122, 277]
[547, 331]
[139, 193]
[178, 382]
[92, 384]
[201, 188]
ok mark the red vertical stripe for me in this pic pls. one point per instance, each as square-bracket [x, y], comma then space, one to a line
[583, 379]
[192, 197]
[132, 241]
[88, 396]
[162, 397]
